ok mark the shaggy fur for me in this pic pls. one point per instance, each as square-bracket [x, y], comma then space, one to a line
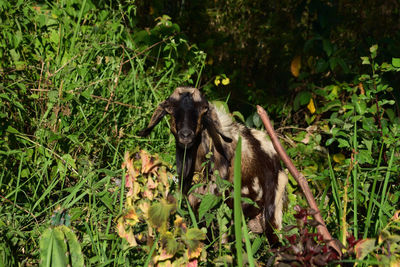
[200, 128]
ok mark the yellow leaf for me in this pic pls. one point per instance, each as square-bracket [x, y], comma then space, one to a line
[325, 128]
[131, 217]
[295, 66]
[395, 263]
[123, 233]
[311, 106]
[339, 158]
[225, 81]
[144, 207]
[194, 253]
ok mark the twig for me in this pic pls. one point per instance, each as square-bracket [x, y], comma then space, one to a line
[115, 102]
[301, 180]
[63, 66]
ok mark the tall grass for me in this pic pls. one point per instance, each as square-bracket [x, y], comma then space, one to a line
[79, 79]
[77, 82]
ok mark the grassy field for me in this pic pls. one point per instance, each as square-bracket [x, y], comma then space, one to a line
[78, 81]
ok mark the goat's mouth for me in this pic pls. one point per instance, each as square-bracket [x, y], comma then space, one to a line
[185, 142]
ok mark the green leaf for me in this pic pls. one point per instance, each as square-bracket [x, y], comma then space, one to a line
[195, 234]
[359, 104]
[373, 49]
[256, 245]
[74, 247]
[159, 213]
[365, 61]
[221, 105]
[396, 62]
[257, 120]
[239, 115]
[193, 237]
[343, 143]
[304, 98]
[53, 248]
[12, 130]
[170, 244]
[364, 156]
[329, 141]
[53, 96]
[207, 203]
[326, 44]
[368, 124]
[69, 160]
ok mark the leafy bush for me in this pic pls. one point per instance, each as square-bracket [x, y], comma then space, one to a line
[148, 208]
[350, 150]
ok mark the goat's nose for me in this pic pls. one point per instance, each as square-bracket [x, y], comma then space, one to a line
[185, 133]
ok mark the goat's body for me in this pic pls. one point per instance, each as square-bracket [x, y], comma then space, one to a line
[200, 128]
[263, 179]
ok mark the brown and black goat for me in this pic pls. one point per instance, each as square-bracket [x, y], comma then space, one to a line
[199, 128]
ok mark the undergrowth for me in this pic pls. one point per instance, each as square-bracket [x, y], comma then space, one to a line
[78, 80]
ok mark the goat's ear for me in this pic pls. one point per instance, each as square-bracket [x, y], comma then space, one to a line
[158, 114]
[213, 127]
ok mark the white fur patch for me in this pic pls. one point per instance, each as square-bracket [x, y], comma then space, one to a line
[245, 190]
[279, 195]
[226, 122]
[257, 188]
[181, 90]
[266, 144]
[247, 153]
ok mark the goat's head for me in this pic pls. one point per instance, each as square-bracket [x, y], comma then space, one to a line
[190, 113]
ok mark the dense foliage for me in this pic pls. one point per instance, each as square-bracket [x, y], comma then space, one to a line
[79, 79]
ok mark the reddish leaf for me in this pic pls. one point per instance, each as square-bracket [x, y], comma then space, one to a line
[192, 263]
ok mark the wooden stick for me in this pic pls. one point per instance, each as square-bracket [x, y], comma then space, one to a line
[301, 180]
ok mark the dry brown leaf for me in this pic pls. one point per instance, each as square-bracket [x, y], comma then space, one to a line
[295, 66]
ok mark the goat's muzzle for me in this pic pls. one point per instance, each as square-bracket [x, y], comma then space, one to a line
[186, 137]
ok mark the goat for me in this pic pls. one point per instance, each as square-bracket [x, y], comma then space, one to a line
[199, 127]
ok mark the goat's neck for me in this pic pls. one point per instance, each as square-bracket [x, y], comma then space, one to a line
[185, 164]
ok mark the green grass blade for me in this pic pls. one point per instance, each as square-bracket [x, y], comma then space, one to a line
[237, 209]
[191, 213]
[77, 27]
[384, 191]
[355, 182]
[372, 196]
[336, 197]
[153, 248]
[249, 250]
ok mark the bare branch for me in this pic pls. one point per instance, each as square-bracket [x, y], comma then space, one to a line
[301, 180]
